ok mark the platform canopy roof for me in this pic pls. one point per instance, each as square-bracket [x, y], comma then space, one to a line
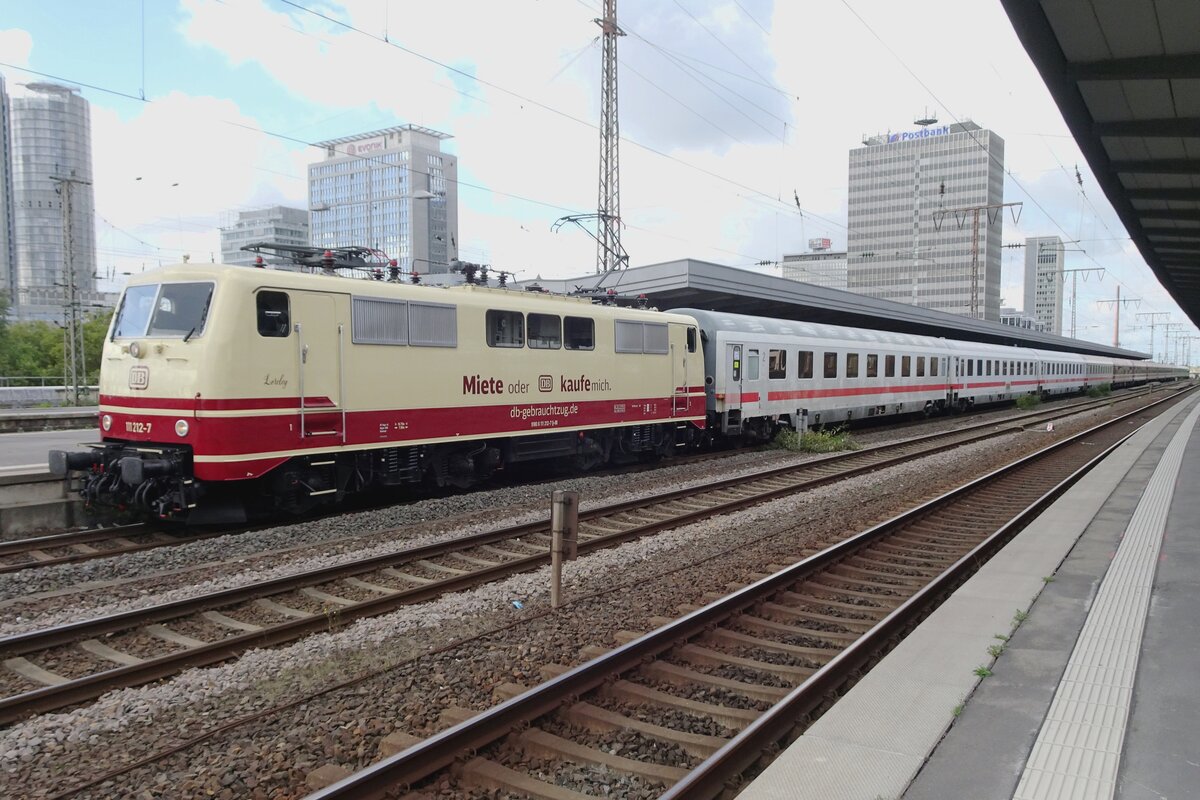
[1126, 76]
[689, 283]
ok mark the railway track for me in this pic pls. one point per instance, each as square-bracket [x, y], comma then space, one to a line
[70, 547]
[685, 710]
[55, 667]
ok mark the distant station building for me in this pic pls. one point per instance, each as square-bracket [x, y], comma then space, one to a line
[822, 266]
[52, 139]
[905, 244]
[1044, 262]
[1019, 319]
[273, 225]
[391, 190]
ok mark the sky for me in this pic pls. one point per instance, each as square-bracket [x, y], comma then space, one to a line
[730, 112]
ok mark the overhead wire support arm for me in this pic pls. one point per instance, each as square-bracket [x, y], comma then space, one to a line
[960, 215]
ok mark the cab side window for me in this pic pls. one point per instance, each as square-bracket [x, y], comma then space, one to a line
[505, 328]
[273, 316]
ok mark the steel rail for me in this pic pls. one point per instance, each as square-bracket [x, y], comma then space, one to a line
[20, 644]
[405, 769]
[88, 687]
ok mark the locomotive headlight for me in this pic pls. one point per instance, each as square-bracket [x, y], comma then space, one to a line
[136, 350]
[181, 427]
[106, 421]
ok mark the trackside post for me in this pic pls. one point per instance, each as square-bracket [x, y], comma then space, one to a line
[564, 538]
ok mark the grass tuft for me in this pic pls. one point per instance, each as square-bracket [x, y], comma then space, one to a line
[830, 440]
[1028, 402]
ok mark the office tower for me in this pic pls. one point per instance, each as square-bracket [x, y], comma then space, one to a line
[8, 245]
[1044, 261]
[392, 190]
[52, 168]
[906, 243]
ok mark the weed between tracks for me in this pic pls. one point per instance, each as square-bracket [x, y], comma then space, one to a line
[829, 440]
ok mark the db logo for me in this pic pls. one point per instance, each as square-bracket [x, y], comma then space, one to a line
[545, 383]
[139, 377]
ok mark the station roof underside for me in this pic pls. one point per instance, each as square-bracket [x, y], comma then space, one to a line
[1126, 77]
[688, 283]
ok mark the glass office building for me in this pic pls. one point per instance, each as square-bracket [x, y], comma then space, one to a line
[391, 190]
[273, 225]
[52, 139]
[8, 245]
[905, 242]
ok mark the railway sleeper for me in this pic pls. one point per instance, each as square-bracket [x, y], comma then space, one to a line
[853, 628]
[601, 720]
[877, 601]
[727, 638]
[488, 774]
[876, 564]
[817, 654]
[850, 572]
[636, 694]
[845, 584]
[537, 742]
[683, 676]
[796, 598]
[695, 654]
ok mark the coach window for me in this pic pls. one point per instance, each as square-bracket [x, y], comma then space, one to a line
[851, 365]
[970, 368]
[872, 365]
[777, 364]
[806, 364]
[1004, 368]
[979, 367]
[273, 314]
[691, 340]
[505, 328]
[920, 366]
[933, 366]
[831, 365]
[889, 366]
[905, 366]
[752, 365]
[579, 333]
[545, 332]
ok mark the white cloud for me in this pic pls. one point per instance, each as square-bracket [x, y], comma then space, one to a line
[16, 45]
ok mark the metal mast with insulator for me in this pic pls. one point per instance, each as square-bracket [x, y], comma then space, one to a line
[609, 253]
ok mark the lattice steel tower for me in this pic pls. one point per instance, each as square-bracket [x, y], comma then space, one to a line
[609, 253]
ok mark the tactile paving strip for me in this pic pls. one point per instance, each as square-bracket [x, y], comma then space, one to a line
[1078, 749]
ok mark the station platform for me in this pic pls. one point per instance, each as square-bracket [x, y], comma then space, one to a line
[1065, 668]
[15, 420]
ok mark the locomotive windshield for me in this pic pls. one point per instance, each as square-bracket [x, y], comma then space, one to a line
[171, 309]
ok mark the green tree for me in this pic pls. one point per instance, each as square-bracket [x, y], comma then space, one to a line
[95, 329]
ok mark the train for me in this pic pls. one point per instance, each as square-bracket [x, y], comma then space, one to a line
[228, 392]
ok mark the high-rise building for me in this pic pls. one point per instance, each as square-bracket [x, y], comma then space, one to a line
[1044, 261]
[274, 225]
[8, 245]
[52, 165]
[823, 268]
[906, 243]
[392, 190]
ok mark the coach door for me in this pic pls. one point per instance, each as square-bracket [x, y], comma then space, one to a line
[320, 352]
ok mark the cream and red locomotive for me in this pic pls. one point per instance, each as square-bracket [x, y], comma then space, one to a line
[225, 385]
[224, 388]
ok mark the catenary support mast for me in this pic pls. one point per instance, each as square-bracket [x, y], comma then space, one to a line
[609, 253]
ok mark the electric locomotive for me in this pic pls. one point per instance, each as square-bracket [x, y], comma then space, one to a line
[226, 390]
